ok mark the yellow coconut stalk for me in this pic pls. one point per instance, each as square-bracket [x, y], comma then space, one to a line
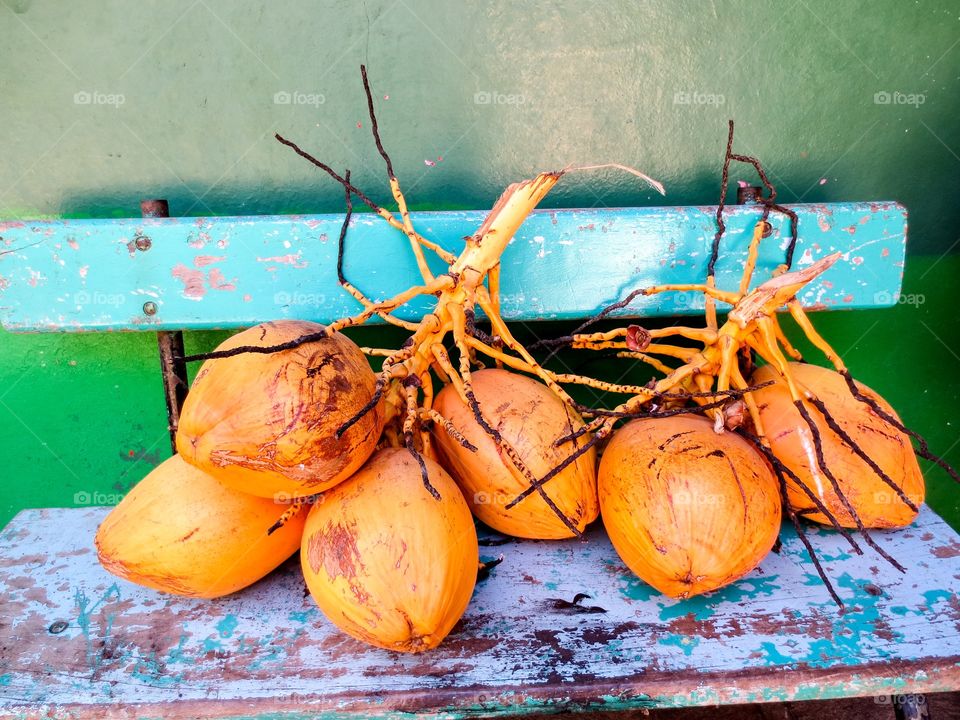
[470, 285]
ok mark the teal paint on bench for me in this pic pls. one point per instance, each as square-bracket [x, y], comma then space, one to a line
[228, 272]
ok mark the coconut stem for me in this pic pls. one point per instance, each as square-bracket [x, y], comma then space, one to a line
[769, 203]
[923, 451]
[514, 458]
[781, 472]
[791, 475]
[424, 475]
[557, 343]
[852, 444]
[822, 463]
[371, 404]
[262, 349]
[537, 485]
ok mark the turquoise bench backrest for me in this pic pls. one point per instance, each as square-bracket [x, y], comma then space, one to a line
[228, 272]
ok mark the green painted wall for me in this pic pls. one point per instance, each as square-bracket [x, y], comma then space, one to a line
[103, 103]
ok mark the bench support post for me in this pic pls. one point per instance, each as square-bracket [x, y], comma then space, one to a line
[173, 368]
[910, 707]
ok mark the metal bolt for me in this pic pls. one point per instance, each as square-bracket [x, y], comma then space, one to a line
[749, 194]
[58, 627]
[155, 208]
[149, 308]
[142, 242]
[767, 229]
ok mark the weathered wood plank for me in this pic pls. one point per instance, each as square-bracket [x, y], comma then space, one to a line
[193, 273]
[124, 651]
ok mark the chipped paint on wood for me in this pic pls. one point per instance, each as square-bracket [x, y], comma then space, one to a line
[773, 636]
[238, 271]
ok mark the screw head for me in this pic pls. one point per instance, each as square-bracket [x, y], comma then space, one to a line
[58, 627]
[149, 308]
[142, 243]
[748, 194]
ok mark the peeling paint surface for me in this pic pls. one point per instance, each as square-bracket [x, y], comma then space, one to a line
[226, 272]
[773, 636]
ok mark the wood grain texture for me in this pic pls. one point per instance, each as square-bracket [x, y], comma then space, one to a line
[773, 636]
[228, 272]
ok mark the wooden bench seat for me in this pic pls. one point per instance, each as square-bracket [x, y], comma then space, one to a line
[77, 642]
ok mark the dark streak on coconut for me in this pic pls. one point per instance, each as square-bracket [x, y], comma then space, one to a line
[670, 439]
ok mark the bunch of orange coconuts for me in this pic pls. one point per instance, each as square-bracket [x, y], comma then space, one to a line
[262, 473]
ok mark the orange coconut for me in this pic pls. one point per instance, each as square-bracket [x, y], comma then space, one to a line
[688, 510]
[386, 561]
[875, 502]
[181, 531]
[530, 418]
[265, 423]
